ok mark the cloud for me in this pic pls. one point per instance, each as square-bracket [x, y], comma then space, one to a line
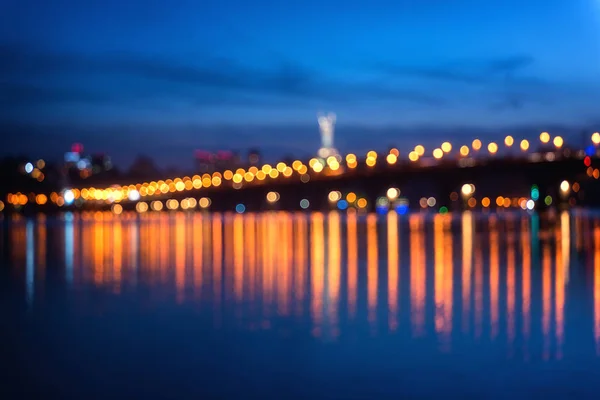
[449, 74]
[128, 77]
[17, 94]
[510, 65]
[500, 81]
[469, 72]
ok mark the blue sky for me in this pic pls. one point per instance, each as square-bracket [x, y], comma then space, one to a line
[164, 78]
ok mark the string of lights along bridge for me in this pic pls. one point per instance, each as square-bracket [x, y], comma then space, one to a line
[329, 164]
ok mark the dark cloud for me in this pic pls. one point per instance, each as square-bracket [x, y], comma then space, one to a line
[470, 72]
[67, 77]
[18, 94]
[517, 100]
[510, 64]
[509, 102]
[222, 74]
[501, 81]
[449, 74]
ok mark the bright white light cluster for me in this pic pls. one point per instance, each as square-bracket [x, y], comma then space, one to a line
[326, 126]
[69, 196]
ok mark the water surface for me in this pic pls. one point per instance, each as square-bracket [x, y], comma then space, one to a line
[284, 305]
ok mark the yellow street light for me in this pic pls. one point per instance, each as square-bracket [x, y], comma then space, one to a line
[420, 150]
[558, 142]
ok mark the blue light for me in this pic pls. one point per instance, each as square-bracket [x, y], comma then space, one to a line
[402, 209]
[535, 193]
[381, 209]
[342, 204]
[240, 208]
[590, 150]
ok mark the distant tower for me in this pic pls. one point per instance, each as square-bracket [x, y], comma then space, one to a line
[326, 126]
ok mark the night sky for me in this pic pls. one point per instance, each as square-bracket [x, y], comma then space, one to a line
[166, 77]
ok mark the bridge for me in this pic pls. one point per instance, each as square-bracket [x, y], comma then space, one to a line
[510, 174]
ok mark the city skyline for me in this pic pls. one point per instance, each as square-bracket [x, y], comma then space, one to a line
[163, 80]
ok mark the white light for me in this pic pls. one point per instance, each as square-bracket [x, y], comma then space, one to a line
[530, 204]
[29, 167]
[304, 204]
[383, 202]
[564, 186]
[323, 152]
[393, 193]
[69, 196]
[326, 126]
[134, 195]
[467, 189]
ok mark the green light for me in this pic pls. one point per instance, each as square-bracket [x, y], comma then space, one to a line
[548, 200]
[443, 210]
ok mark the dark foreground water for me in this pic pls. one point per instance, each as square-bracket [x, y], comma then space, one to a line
[311, 306]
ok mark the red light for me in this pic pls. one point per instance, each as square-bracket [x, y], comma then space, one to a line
[202, 154]
[587, 161]
[77, 148]
[224, 155]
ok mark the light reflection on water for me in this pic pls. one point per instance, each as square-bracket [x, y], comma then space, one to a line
[522, 286]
